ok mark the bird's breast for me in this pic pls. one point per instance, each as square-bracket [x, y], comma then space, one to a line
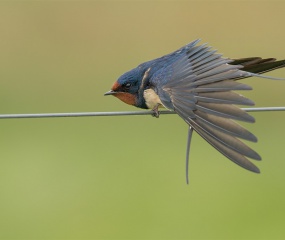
[151, 98]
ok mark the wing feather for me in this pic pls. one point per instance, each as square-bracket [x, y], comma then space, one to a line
[199, 86]
[226, 125]
[202, 58]
[234, 156]
[225, 110]
[227, 140]
[224, 97]
[226, 85]
[228, 152]
[196, 51]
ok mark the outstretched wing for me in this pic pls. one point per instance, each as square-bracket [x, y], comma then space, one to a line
[198, 86]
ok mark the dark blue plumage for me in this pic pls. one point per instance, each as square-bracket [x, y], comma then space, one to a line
[157, 73]
[198, 84]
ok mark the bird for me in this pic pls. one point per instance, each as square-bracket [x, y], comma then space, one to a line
[199, 84]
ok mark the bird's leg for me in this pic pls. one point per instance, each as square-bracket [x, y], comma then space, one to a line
[155, 111]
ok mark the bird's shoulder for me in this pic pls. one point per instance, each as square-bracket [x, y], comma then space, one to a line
[160, 67]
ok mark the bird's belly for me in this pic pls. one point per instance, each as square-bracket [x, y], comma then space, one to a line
[151, 98]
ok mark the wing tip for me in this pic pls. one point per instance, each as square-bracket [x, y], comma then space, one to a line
[255, 170]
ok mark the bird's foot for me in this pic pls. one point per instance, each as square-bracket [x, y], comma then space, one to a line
[155, 112]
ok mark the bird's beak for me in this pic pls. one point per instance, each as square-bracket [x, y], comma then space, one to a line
[111, 92]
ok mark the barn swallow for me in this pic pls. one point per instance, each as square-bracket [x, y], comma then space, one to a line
[197, 83]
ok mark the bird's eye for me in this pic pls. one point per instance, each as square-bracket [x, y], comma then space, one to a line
[127, 85]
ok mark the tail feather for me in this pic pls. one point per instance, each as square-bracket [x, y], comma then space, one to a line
[259, 65]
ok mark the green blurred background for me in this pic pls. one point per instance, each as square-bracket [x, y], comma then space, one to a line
[123, 177]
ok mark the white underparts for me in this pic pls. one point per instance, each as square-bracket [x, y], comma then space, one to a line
[151, 98]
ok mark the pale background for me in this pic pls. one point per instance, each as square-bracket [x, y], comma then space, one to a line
[123, 177]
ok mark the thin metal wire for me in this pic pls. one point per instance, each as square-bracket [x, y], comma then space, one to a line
[107, 114]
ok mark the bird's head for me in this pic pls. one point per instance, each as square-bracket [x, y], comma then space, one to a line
[127, 87]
